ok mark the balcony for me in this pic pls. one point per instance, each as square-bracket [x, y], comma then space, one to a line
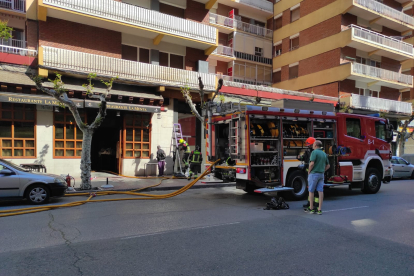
[263, 5]
[223, 53]
[378, 13]
[377, 104]
[134, 20]
[129, 71]
[229, 25]
[16, 47]
[237, 81]
[14, 5]
[253, 58]
[377, 76]
[378, 44]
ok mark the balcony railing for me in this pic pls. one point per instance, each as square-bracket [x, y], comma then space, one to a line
[259, 4]
[224, 51]
[378, 104]
[240, 25]
[16, 5]
[133, 15]
[386, 11]
[63, 59]
[254, 58]
[244, 80]
[381, 40]
[17, 47]
[375, 72]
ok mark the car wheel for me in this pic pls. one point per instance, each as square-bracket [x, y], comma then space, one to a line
[372, 182]
[412, 175]
[38, 194]
[298, 181]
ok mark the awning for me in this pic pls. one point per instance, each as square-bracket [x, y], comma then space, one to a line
[34, 99]
[126, 107]
[113, 91]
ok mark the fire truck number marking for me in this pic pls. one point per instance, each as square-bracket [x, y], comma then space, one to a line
[370, 141]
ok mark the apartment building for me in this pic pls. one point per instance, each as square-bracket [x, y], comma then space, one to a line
[352, 49]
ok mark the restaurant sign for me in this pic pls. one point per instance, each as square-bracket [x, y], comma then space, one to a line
[34, 99]
[125, 107]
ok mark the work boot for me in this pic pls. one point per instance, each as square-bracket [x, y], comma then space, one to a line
[189, 176]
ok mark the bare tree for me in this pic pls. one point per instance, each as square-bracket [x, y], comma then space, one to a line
[189, 100]
[403, 135]
[60, 94]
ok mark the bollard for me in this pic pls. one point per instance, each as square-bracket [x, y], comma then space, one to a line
[107, 186]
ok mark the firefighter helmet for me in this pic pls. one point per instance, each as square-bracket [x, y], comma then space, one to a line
[197, 148]
[310, 141]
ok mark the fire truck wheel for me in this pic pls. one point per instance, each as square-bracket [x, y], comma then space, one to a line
[298, 181]
[372, 182]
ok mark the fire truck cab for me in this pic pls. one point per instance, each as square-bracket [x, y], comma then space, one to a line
[265, 142]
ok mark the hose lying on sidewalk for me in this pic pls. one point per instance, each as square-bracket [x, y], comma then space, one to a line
[139, 196]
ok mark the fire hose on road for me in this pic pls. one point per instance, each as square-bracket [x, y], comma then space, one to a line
[138, 196]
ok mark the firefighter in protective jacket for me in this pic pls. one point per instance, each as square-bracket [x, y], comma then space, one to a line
[195, 160]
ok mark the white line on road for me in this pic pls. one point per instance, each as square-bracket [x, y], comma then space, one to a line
[346, 209]
[191, 228]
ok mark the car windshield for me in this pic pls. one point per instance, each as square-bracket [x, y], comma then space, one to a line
[14, 166]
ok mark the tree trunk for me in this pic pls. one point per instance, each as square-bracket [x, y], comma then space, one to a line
[86, 160]
[401, 145]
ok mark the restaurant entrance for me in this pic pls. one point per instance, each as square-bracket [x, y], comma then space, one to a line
[105, 142]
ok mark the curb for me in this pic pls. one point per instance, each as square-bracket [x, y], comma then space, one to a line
[203, 186]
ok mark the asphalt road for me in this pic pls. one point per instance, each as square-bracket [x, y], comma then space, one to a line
[219, 231]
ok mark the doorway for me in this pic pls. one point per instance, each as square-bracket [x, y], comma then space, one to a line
[105, 142]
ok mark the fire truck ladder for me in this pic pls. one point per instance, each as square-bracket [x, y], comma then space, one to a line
[235, 139]
[177, 136]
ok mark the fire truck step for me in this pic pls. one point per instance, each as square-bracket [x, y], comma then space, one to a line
[274, 189]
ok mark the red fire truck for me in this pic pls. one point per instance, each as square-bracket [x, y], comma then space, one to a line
[265, 143]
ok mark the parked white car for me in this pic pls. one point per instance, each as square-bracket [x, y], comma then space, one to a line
[36, 187]
[402, 168]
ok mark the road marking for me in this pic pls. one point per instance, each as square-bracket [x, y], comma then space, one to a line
[191, 228]
[345, 209]
[363, 222]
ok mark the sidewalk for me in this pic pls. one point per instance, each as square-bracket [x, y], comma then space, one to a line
[121, 183]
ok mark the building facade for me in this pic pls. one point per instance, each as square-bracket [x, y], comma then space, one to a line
[262, 49]
[345, 48]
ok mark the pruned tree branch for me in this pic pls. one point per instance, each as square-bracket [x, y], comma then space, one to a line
[59, 93]
[220, 84]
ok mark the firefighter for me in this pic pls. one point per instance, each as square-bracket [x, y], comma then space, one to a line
[184, 147]
[305, 158]
[195, 160]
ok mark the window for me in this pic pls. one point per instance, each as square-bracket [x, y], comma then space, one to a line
[278, 23]
[353, 128]
[258, 51]
[67, 136]
[278, 50]
[394, 161]
[277, 76]
[294, 14]
[129, 53]
[17, 130]
[137, 135]
[171, 60]
[380, 130]
[144, 55]
[368, 93]
[294, 43]
[293, 72]
[402, 161]
[369, 62]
